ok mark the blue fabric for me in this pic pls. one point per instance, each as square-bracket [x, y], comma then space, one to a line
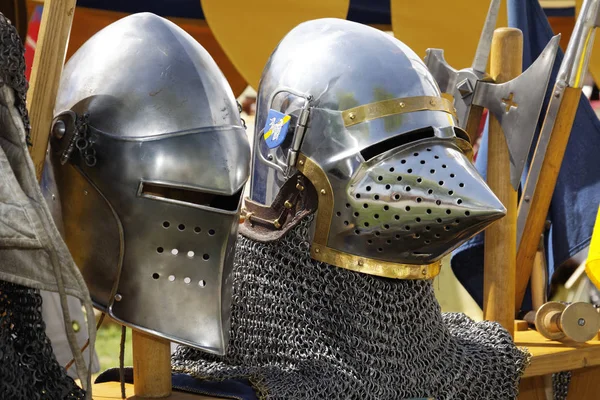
[560, 12]
[577, 194]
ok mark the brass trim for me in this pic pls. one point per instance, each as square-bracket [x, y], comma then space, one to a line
[318, 178]
[374, 267]
[368, 112]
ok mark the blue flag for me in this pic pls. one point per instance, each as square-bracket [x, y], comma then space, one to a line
[276, 128]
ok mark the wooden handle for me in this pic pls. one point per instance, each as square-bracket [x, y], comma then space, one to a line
[501, 237]
[151, 366]
[540, 201]
[48, 61]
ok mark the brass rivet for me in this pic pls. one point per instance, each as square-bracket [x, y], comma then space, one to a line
[351, 116]
[299, 187]
[432, 102]
[323, 191]
[317, 250]
[361, 263]
[76, 326]
[276, 224]
[287, 204]
[118, 297]
[424, 272]
[402, 105]
[301, 162]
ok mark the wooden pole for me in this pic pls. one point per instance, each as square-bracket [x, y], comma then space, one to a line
[540, 201]
[151, 366]
[53, 39]
[500, 238]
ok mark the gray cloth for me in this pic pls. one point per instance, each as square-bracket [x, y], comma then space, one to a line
[32, 252]
[303, 329]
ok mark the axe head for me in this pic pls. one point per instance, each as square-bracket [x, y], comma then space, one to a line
[517, 104]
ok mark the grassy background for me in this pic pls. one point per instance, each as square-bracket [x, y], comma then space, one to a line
[108, 343]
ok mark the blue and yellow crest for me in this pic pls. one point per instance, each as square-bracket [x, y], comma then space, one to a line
[276, 128]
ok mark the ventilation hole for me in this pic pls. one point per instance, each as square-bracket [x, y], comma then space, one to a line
[416, 154]
[358, 195]
[155, 276]
[432, 171]
[356, 231]
[427, 241]
[399, 178]
[386, 208]
[430, 191]
[452, 175]
[441, 183]
[190, 254]
[422, 161]
[467, 213]
[427, 228]
[365, 205]
[443, 165]
[419, 180]
[429, 211]
[377, 233]
[419, 199]
[386, 226]
[166, 224]
[211, 232]
[428, 149]
[439, 220]
[346, 223]
[388, 241]
[388, 187]
[159, 249]
[407, 188]
[446, 228]
[461, 184]
[448, 212]
[187, 280]
[398, 236]
[376, 197]
[457, 221]
[407, 208]
[181, 227]
[205, 256]
[436, 157]
[451, 192]
[202, 283]
[369, 241]
[396, 217]
[171, 278]
[403, 162]
[380, 249]
[396, 197]
[347, 205]
[368, 188]
[438, 202]
[409, 170]
[366, 224]
[197, 229]
[376, 216]
[174, 252]
[437, 235]
[459, 201]
[356, 214]
[391, 169]
[418, 219]
[380, 178]
[339, 214]
[407, 227]
[416, 236]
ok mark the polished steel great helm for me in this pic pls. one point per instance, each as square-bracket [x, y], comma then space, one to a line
[356, 113]
[149, 158]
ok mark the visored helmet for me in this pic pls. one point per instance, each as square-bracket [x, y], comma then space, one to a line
[351, 116]
[149, 158]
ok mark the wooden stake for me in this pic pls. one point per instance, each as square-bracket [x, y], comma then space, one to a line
[540, 201]
[500, 238]
[151, 366]
[53, 39]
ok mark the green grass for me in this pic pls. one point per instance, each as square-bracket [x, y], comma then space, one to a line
[108, 341]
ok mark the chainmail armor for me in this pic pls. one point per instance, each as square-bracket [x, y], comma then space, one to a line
[560, 385]
[28, 368]
[303, 329]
